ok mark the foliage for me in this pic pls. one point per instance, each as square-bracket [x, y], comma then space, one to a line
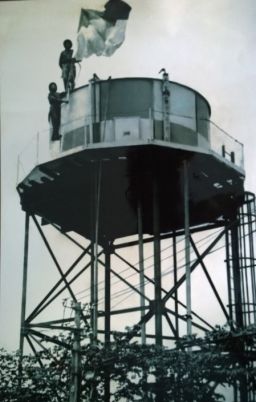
[189, 372]
[39, 384]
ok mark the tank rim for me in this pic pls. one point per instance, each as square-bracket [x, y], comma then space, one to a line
[153, 79]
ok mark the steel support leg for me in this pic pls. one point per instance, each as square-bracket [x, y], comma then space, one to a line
[93, 301]
[175, 284]
[157, 265]
[142, 277]
[107, 294]
[236, 276]
[95, 207]
[229, 278]
[24, 296]
[75, 389]
[107, 315]
[243, 391]
[187, 248]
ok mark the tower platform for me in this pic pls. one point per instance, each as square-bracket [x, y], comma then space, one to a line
[61, 191]
[120, 137]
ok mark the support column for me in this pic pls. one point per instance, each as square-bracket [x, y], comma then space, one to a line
[94, 245]
[236, 275]
[251, 239]
[107, 315]
[142, 278]
[230, 309]
[107, 294]
[187, 248]
[75, 390]
[24, 296]
[157, 264]
[95, 293]
[93, 287]
[237, 283]
[175, 284]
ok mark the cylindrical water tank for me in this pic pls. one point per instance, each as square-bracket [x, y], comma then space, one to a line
[133, 109]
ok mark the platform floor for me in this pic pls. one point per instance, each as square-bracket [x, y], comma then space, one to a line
[63, 191]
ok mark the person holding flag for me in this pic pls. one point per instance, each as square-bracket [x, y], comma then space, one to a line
[67, 65]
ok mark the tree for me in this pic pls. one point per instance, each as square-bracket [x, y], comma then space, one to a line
[189, 372]
[39, 384]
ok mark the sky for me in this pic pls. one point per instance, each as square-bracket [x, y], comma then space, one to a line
[207, 45]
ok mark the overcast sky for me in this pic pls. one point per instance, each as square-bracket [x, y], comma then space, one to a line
[207, 45]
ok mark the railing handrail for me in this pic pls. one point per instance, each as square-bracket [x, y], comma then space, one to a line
[225, 132]
[35, 139]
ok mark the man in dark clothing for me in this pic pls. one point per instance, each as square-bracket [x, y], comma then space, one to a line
[67, 65]
[55, 100]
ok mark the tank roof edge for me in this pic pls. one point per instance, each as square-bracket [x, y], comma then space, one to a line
[153, 79]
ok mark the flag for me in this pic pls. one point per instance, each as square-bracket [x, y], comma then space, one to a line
[102, 32]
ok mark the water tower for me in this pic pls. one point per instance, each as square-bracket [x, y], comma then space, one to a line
[139, 164]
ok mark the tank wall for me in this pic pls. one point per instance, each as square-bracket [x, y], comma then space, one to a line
[183, 106]
[187, 108]
[77, 112]
[157, 111]
[203, 117]
[133, 109]
[125, 98]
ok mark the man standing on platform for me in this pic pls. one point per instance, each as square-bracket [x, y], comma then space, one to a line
[67, 65]
[55, 100]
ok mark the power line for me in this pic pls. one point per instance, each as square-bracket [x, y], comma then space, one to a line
[148, 267]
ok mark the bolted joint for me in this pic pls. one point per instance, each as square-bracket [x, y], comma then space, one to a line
[24, 331]
[188, 316]
[108, 247]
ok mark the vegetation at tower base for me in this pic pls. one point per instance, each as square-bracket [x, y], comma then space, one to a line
[138, 372]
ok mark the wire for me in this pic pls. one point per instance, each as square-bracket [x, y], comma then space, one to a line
[148, 267]
[166, 272]
[169, 271]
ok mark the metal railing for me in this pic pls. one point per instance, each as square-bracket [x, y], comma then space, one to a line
[40, 149]
[225, 145]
